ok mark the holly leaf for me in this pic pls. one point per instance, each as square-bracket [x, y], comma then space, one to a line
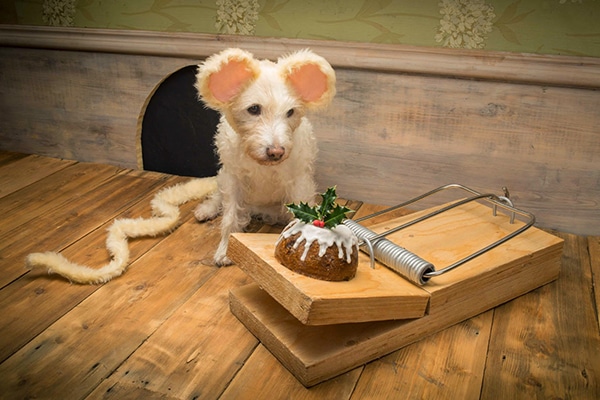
[303, 212]
[328, 211]
[336, 216]
[328, 201]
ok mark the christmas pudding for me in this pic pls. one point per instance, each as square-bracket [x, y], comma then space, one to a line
[315, 244]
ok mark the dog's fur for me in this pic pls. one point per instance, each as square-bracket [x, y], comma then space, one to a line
[265, 143]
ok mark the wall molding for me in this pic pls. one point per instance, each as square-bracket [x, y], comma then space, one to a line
[548, 70]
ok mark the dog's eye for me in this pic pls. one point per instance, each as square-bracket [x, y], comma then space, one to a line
[254, 110]
[290, 112]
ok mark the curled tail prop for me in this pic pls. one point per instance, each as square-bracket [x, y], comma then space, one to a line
[165, 211]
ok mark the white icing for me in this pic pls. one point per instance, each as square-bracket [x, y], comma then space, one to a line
[340, 235]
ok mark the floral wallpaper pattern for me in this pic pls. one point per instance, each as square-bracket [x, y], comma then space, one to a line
[58, 12]
[464, 23]
[535, 26]
[236, 17]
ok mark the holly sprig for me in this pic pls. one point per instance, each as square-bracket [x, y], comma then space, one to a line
[326, 215]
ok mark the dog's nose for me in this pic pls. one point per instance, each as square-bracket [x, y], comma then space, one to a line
[275, 153]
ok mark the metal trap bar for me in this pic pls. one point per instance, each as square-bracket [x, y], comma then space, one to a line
[410, 265]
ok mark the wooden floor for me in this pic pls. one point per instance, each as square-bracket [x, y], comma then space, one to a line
[164, 329]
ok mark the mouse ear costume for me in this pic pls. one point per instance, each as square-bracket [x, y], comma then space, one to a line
[223, 76]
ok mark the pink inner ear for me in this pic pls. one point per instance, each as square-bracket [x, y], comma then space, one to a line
[229, 80]
[309, 82]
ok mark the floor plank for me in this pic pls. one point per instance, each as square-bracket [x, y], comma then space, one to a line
[447, 365]
[164, 330]
[56, 190]
[45, 298]
[263, 377]
[594, 248]
[79, 350]
[7, 157]
[195, 353]
[545, 344]
[55, 230]
[22, 172]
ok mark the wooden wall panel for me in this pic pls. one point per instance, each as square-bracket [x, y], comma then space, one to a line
[389, 135]
[77, 105]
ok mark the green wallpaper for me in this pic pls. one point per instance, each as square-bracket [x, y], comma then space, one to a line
[569, 27]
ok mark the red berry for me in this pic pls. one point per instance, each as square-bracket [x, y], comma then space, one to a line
[318, 223]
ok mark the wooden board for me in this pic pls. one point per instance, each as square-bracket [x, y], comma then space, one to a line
[374, 294]
[388, 137]
[85, 212]
[153, 288]
[316, 353]
[545, 345]
[542, 345]
[380, 294]
[594, 249]
[27, 170]
[35, 290]
[445, 365]
[193, 344]
[63, 187]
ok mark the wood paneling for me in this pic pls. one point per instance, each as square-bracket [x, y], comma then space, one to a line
[76, 105]
[405, 119]
[390, 137]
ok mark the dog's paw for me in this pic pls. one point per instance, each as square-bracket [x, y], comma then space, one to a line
[206, 212]
[222, 261]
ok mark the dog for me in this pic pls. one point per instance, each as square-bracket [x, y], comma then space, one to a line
[264, 141]
[266, 148]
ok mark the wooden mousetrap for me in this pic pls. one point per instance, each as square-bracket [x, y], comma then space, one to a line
[417, 274]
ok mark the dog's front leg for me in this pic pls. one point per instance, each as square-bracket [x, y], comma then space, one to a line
[235, 218]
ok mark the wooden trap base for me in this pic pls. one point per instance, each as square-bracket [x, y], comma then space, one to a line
[319, 330]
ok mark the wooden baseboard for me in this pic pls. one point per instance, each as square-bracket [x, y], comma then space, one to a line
[471, 64]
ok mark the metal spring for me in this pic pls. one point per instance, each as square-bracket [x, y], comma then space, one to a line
[407, 264]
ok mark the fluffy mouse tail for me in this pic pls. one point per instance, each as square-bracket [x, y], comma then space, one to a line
[165, 210]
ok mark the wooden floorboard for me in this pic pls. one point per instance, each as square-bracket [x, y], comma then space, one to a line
[164, 329]
[278, 383]
[105, 328]
[64, 225]
[594, 248]
[546, 342]
[446, 365]
[178, 362]
[7, 157]
[27, 170]
[59, 189]
[46, 297]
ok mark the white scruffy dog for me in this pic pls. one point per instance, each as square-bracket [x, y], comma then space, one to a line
[265, 143]
[266, 148]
